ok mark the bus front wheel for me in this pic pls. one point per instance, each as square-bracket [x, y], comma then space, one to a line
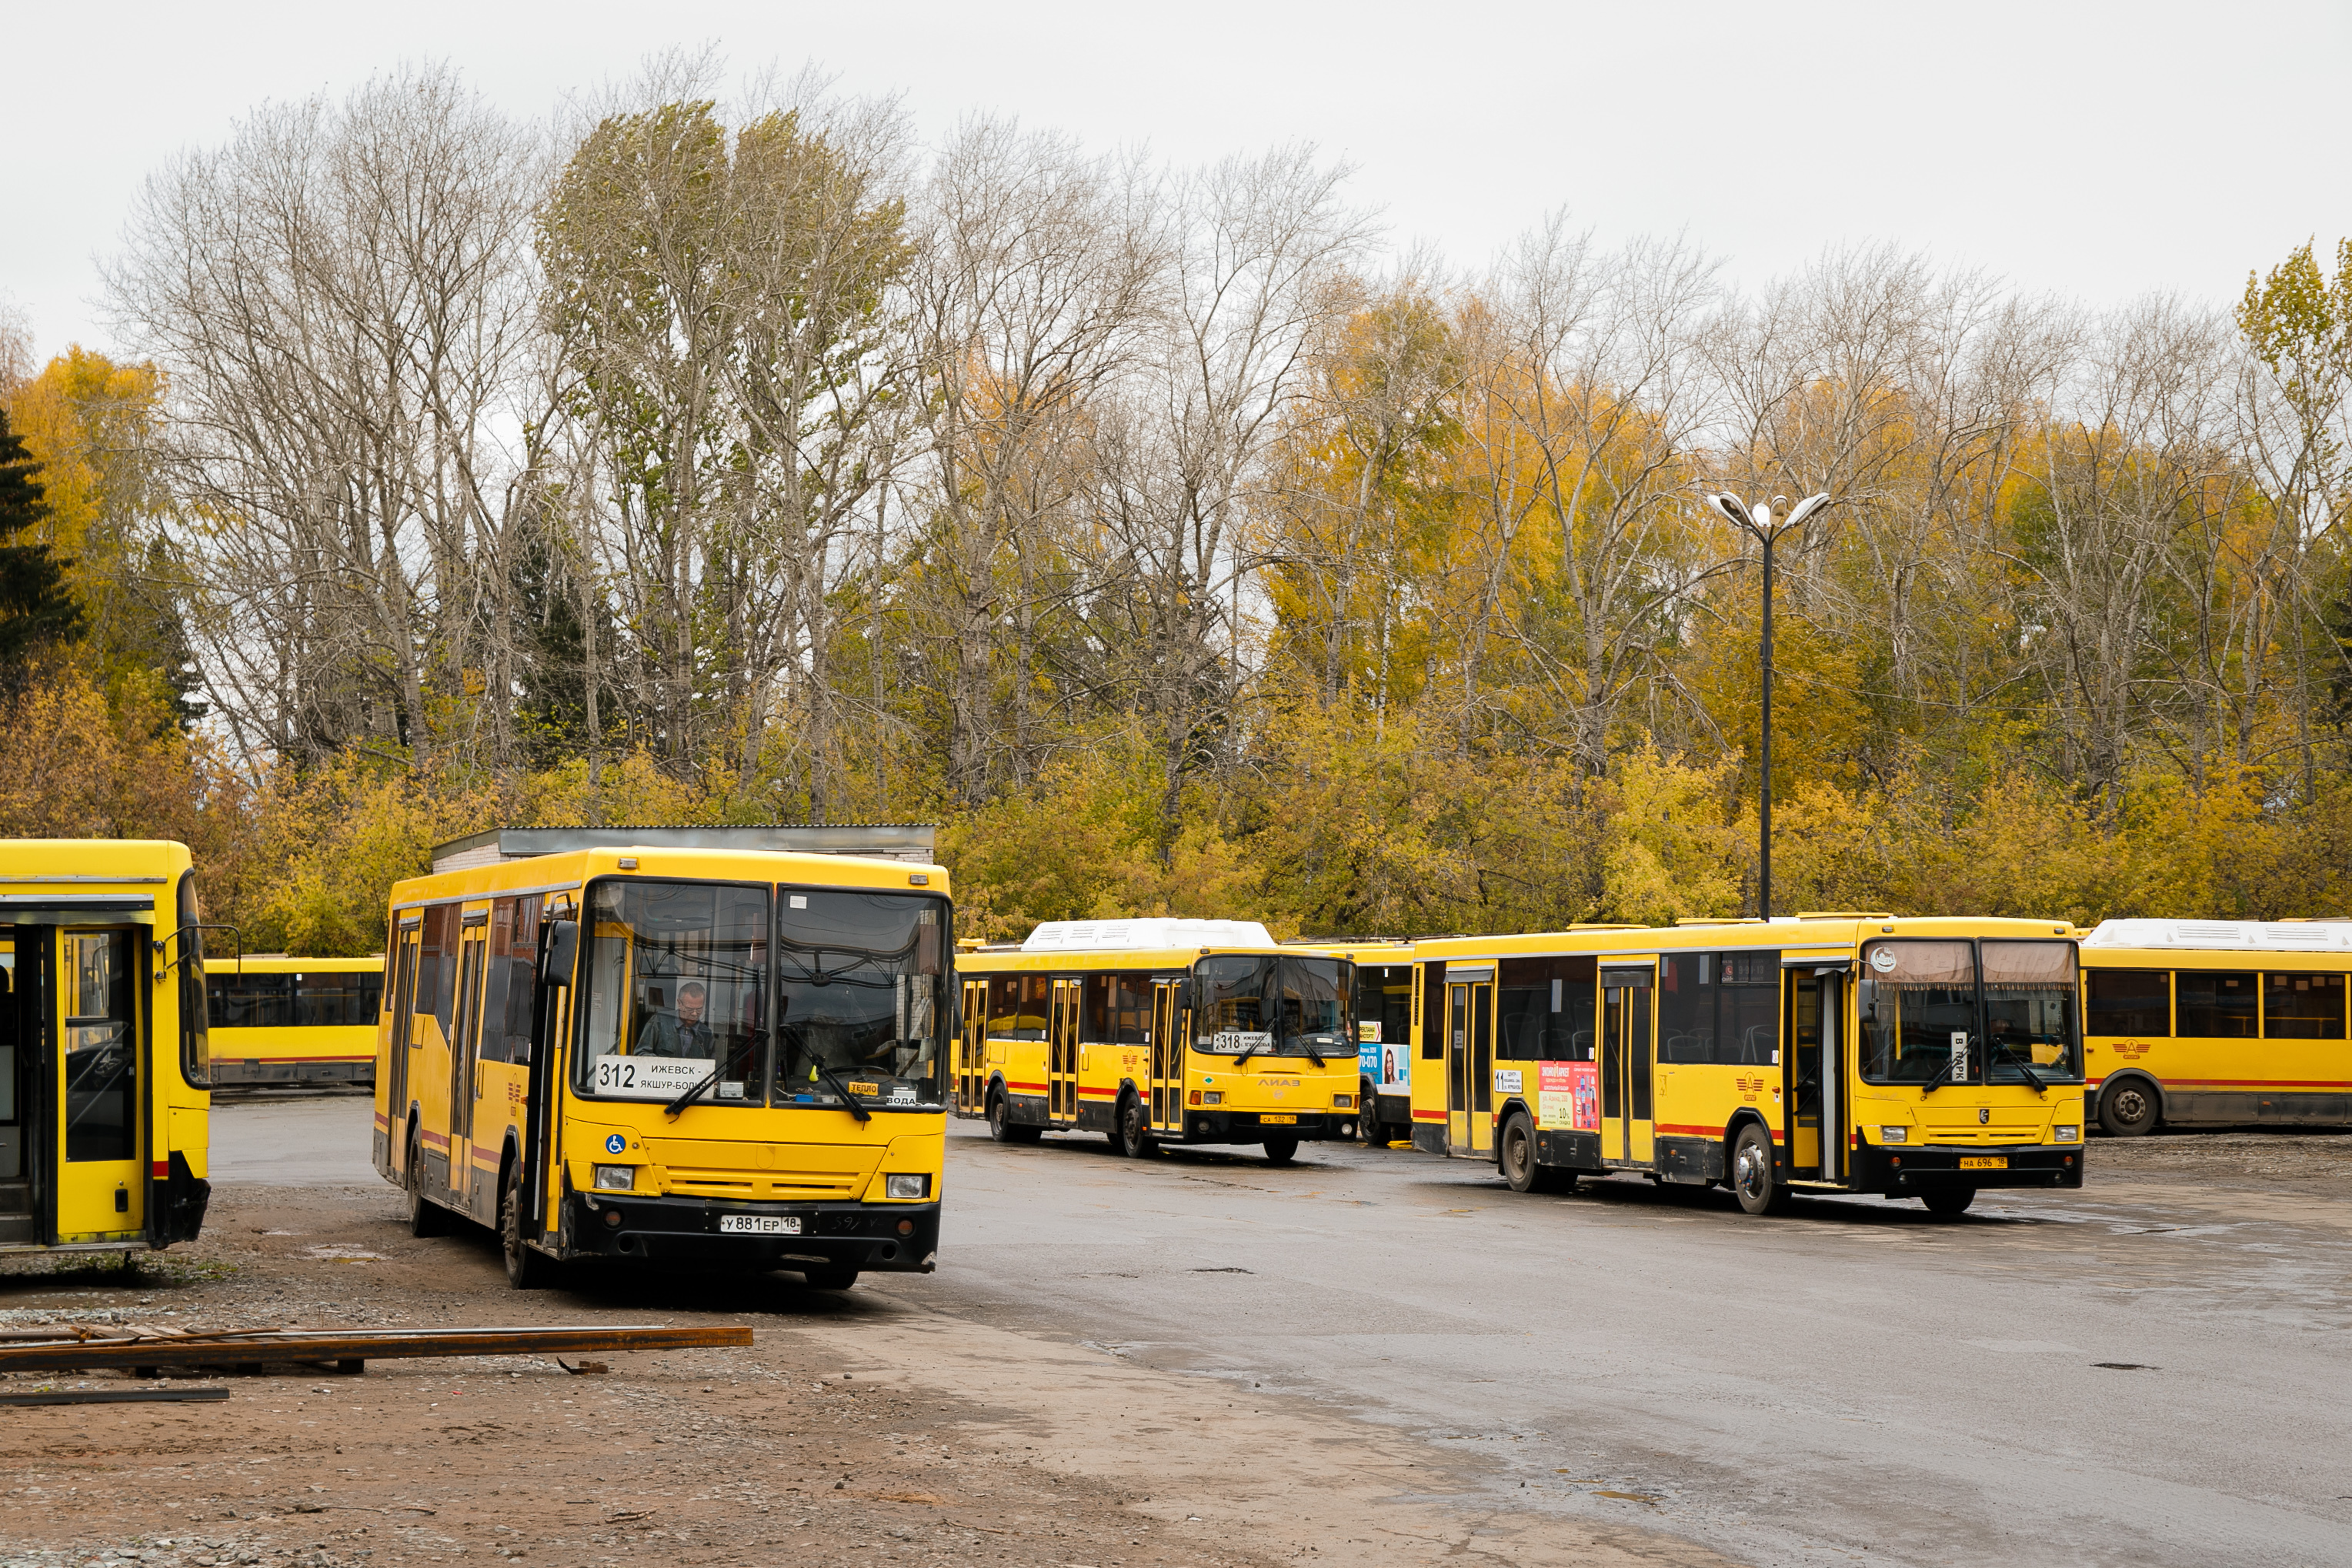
[1368, 1126]
[1948, 1200]
[1000, 1125]
[2127, 1108]
[526, 1269]
[1751, 1172]
[425, 1216]
[1281, 1151]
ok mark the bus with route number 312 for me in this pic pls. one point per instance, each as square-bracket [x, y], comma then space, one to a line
[654, 1045]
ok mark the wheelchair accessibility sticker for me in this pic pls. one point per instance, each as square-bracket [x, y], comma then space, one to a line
[618, 1143]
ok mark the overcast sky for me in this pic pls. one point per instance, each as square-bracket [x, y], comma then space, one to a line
[2097, 151]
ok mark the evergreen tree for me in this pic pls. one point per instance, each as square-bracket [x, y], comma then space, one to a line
[36, 609]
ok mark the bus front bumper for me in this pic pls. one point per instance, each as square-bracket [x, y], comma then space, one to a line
[1905, 1171]
[1251, 1127]
[898, 1238]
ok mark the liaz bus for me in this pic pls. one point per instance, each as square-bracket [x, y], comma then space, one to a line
[1158, 1031]
[104, 1098]
[277, 1019]
[2192, 1023]
[1832, 1052]
[672, 1052]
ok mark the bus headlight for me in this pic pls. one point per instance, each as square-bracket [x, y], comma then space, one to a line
[616, 1178]
[2066, 1135]
[1209, 1097]
[1894, 1135]
[906, 1186]
[1342, 1101]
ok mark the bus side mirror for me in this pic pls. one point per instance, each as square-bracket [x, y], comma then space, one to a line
[563, 952]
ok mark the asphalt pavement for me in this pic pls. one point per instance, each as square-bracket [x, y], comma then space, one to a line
[2138, 1373]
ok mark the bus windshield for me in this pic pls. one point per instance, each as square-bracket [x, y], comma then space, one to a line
[1249, 1005]
[1964, 1012]
[862, 1001]
[677, 986]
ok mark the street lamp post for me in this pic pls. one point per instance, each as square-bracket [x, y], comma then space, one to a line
[1758, 520]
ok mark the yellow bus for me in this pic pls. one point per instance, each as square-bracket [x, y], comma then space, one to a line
[277, 1019]
[1158, 1031]
[673, 1051]
[104, 1098]
[1827, 1053]
[2209, 1023]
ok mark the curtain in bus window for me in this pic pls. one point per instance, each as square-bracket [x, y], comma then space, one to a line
[101, 1047]
[2215, 1005]
[2303, 1006]
[2134, 1002]
[1914, 997]
[2031, 1010]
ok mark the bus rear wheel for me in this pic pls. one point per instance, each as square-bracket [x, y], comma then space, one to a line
[834, 1277]
[1948, 1200]
[1517, 1156]
[1752, 1180]
[527, 1270]
[1281, 1151]
[1134, 1136]
[1368, 1126]
[2127, 1108]
[425, 1216]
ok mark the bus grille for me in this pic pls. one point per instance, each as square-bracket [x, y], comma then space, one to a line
[764, 1184]
[2028, 1132]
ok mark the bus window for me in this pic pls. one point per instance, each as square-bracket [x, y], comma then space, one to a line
[2136, 1002]
[437, 970]
[1016, 1006]
[2029, 1012]
[678, 981]
[862, 994]
[2303, 1006]
[1544, 1009]
[1233, 1003]
[195, 1011]
[2217, 1006]
[1118, 1010]
[1719, 1007]
[1915, 997]
[101, 1048]
[1315, 1003]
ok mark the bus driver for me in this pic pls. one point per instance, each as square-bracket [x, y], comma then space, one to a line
[685, 1036]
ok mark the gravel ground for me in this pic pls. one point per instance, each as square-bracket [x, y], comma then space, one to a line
[2313, 1163]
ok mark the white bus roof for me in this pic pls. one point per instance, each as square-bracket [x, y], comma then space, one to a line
[2255, 936]
[1159, 931]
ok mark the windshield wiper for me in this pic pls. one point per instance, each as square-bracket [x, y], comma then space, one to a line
[2031, 1077]
[678, 1106]
[841, 1089]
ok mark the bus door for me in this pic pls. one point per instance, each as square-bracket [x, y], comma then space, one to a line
[465, 1084]
[1817, 1101]
[1470, 1052]
[20, 1094]
[1168, 1057]
[97, 1014]
[1628, 1133]
[1062, 1053]
[972, 1059]
[403, 1041]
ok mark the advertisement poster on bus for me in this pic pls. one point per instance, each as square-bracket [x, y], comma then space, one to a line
[1568, 1096]
[1386, 1063]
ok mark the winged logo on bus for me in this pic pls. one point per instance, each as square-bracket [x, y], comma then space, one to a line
[1984, 1114]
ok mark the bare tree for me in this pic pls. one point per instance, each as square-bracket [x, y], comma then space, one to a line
[340, 296]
